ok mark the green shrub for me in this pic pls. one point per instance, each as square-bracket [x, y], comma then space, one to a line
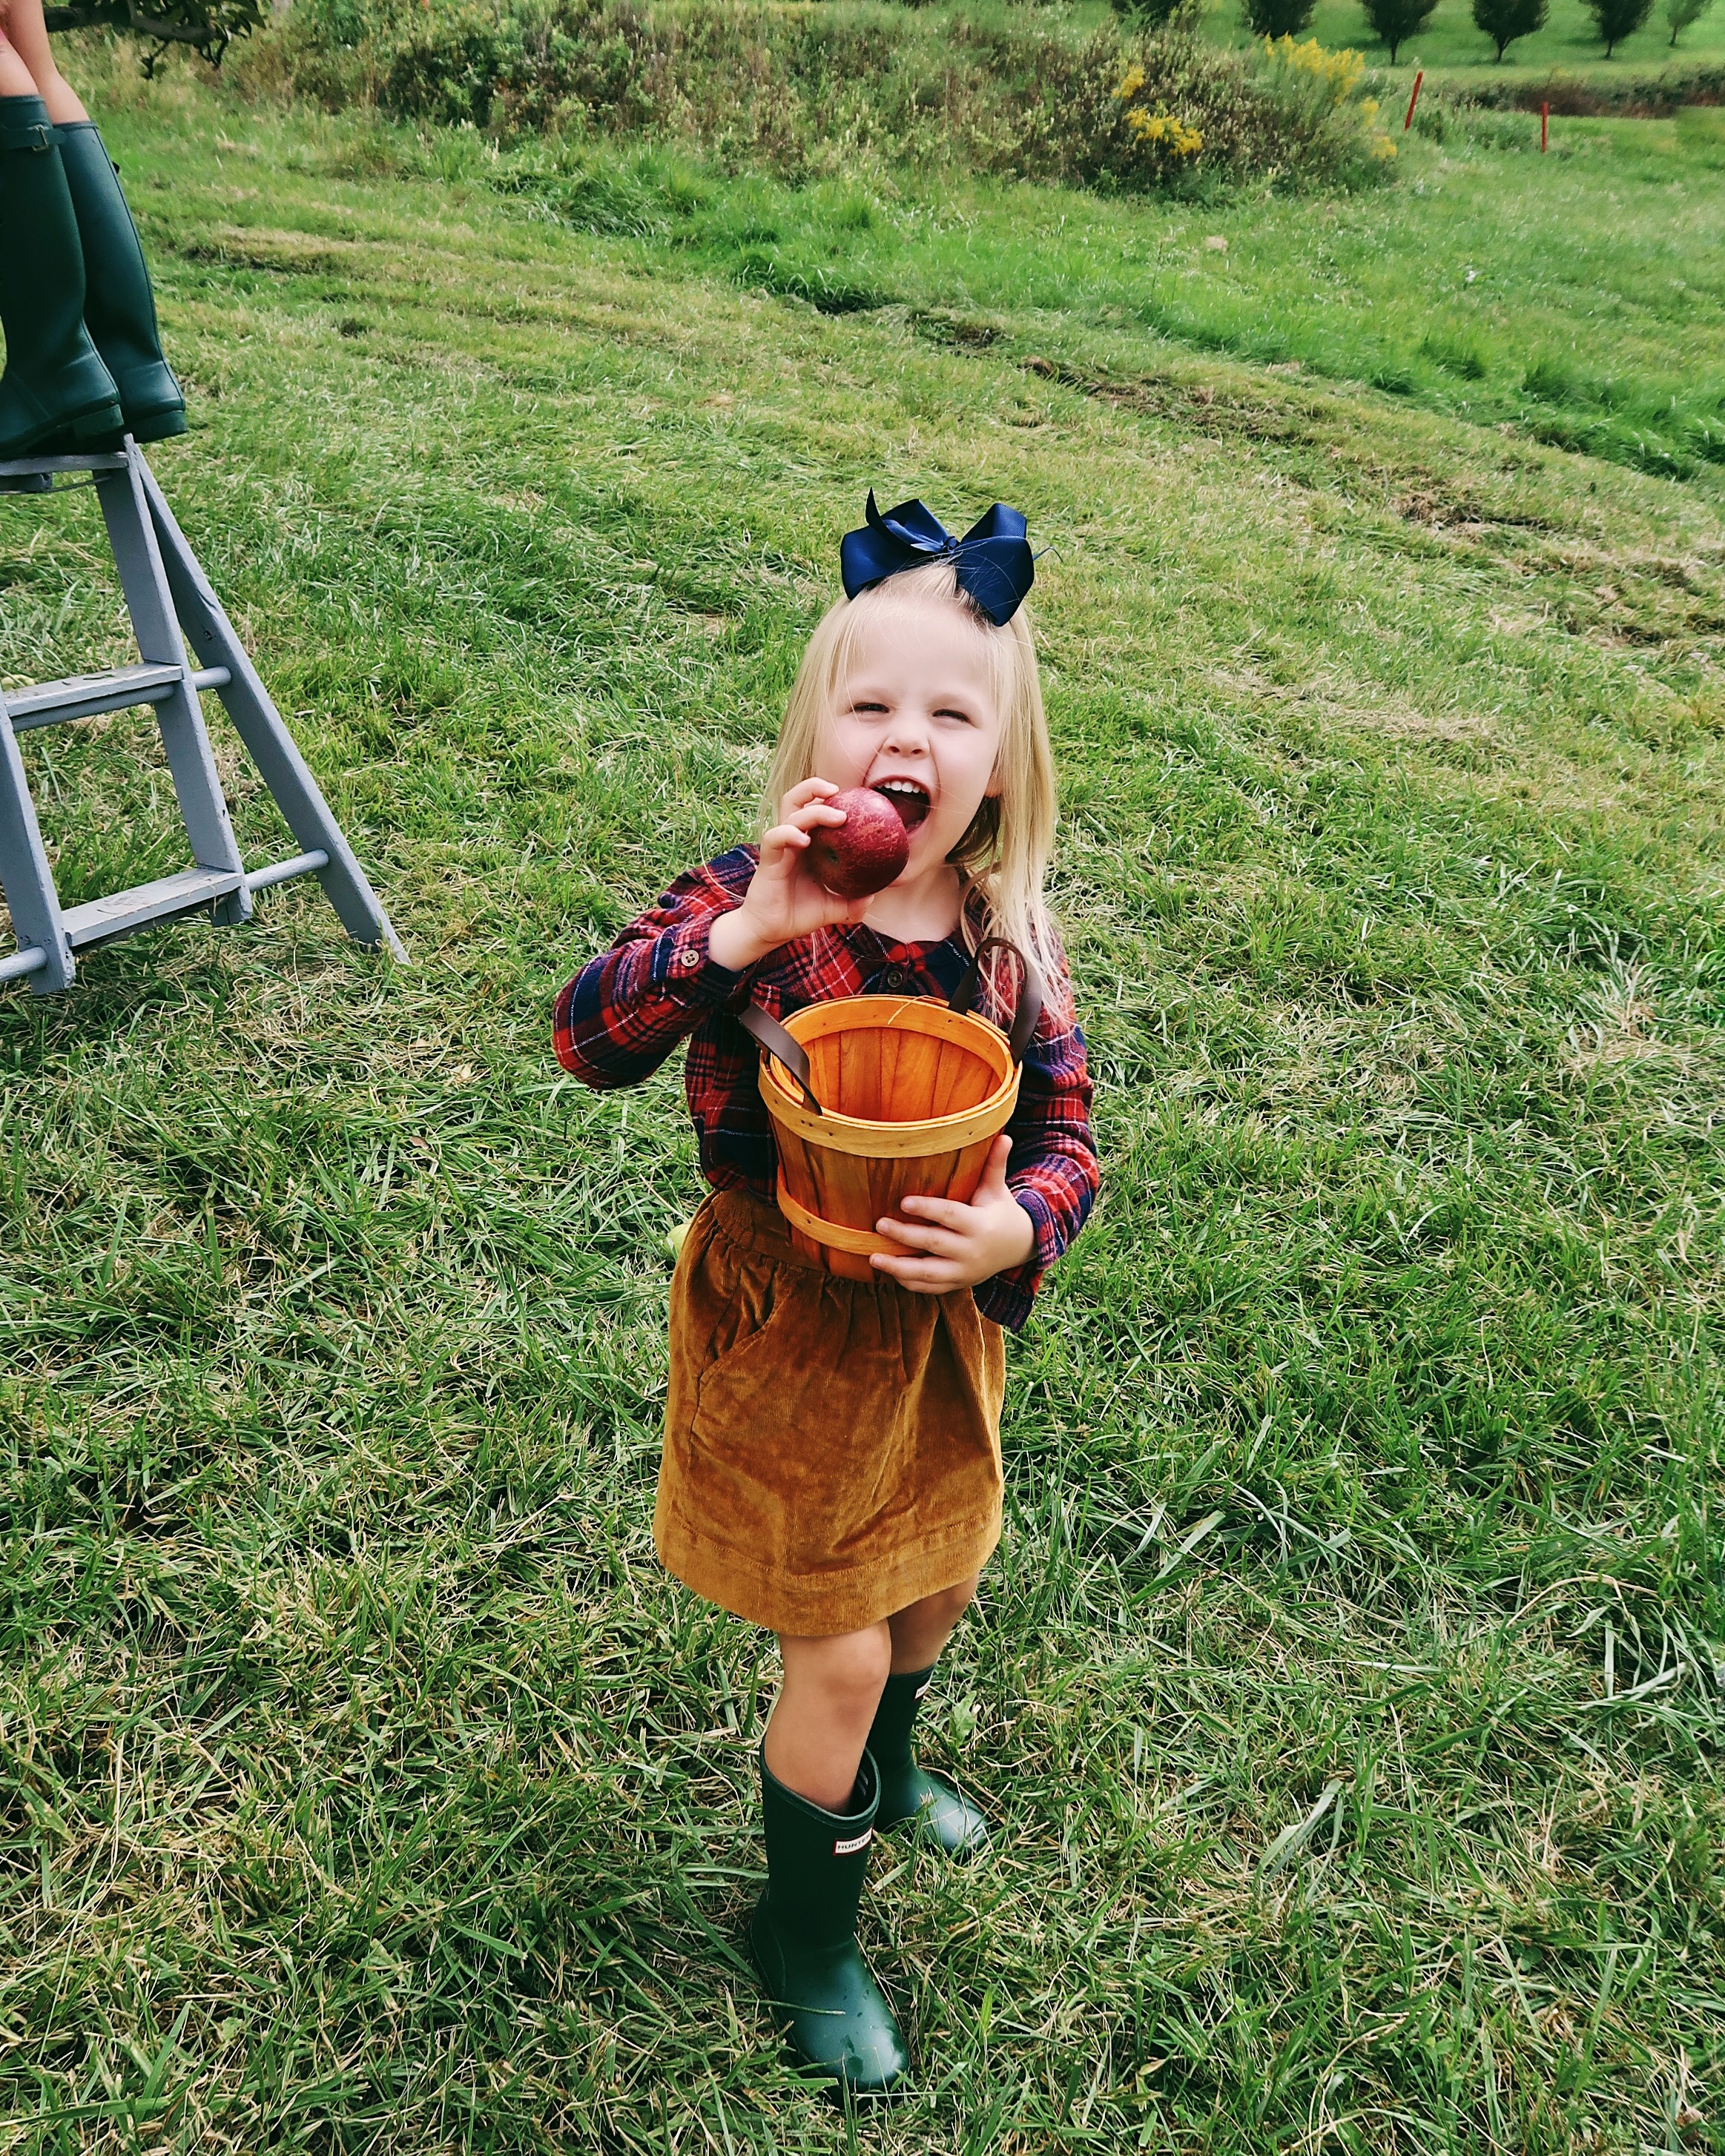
[449, 72]
[1187, 15]
[1617, 19]
[210, 27]
[1679, 14]
[1626, 97]
[1504, 21]
[1277, 19]
[840, 89]
[1393, 22]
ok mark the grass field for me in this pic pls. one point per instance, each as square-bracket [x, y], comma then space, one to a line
[1348, 1687]
[1577, 298]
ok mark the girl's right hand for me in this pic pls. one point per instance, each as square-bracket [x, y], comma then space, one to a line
[784, 900]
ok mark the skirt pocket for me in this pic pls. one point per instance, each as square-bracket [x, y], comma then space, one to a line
[748, 1336]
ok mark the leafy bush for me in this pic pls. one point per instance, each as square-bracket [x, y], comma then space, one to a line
[210, 27]
[1184, 15]
[450, 74]
[1626, 97]
[1395, 21]
[1679, 14]
[1277, 19]
[835, 90]
[1320, 86]
[1504, 21]
[1617, 19]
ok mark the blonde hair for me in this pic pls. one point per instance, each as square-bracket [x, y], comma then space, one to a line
[1003, 858]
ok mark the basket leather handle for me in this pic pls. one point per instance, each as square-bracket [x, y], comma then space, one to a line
[776, 1041]
[1030, 992]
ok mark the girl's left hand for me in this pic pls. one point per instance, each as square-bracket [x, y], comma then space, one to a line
[949, 1245]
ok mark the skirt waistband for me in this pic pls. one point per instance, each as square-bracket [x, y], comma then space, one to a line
[757, 1226]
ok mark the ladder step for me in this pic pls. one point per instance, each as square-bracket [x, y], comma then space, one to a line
[94, 461]
[123, 911]
[83, 696]
[280, 871]
[17, 963]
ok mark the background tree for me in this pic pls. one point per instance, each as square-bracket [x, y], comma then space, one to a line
[1277, 19]
[1394, 21]
[1504, 21]
[1680, 13]
[1617, 19]
[1178, 16]
[210, 27]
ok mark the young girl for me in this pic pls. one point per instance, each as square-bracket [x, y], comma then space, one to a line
[831, 1466]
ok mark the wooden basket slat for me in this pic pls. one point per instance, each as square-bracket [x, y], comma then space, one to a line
[959, 1080]
[859, 1093]
[892, 1040]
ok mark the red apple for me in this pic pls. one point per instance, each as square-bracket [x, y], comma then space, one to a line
[865, 852]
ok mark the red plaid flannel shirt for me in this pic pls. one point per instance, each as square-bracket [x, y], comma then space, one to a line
[626, 1009]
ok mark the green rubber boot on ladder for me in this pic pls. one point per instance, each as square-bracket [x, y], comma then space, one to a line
[119, 306]
[55, 387]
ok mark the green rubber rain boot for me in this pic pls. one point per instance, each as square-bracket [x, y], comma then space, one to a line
[119, 305]
[803, 1936]
[909, 1795]
[55, 387]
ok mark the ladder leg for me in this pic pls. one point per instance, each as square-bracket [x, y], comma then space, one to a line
[185, 740]
[26, 877]
[262, 729]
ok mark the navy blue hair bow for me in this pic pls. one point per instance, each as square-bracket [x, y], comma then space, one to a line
[993, 560]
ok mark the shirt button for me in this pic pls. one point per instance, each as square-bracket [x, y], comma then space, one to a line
[688, 960]
[895, 977]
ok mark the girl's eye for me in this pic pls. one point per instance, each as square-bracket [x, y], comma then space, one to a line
[946, 712]
[869, 707]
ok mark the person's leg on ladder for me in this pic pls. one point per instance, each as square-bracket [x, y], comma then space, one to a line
[21, 22]
[908, 1795]
[56, 392]
[16, 79]
[119, 306]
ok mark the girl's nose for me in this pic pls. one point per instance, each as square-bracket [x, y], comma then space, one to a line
[907, 735]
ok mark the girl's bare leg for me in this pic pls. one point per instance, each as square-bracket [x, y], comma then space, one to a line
[820, 1721]
[22, 27]
[922, 1631]
[16, 79]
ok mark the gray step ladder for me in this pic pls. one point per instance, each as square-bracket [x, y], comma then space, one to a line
[171, 606]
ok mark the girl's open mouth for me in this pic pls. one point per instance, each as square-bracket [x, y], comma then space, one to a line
[907, 798]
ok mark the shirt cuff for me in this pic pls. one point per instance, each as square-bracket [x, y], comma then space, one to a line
[1049, 1242]
[1007, 1298]
[685, 969]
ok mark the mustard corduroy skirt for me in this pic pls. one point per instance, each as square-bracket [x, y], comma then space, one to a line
[831, 1446]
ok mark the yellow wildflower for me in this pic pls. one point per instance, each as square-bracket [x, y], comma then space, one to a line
[1334, 73]
[1164, 132]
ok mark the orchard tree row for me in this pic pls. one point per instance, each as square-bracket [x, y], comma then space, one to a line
[1393, 22]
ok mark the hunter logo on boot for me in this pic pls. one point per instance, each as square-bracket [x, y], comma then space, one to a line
[858, 1842]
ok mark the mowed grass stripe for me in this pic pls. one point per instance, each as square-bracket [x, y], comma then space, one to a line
[366, 1785]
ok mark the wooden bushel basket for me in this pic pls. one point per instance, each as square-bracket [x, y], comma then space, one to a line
[875, 1099]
